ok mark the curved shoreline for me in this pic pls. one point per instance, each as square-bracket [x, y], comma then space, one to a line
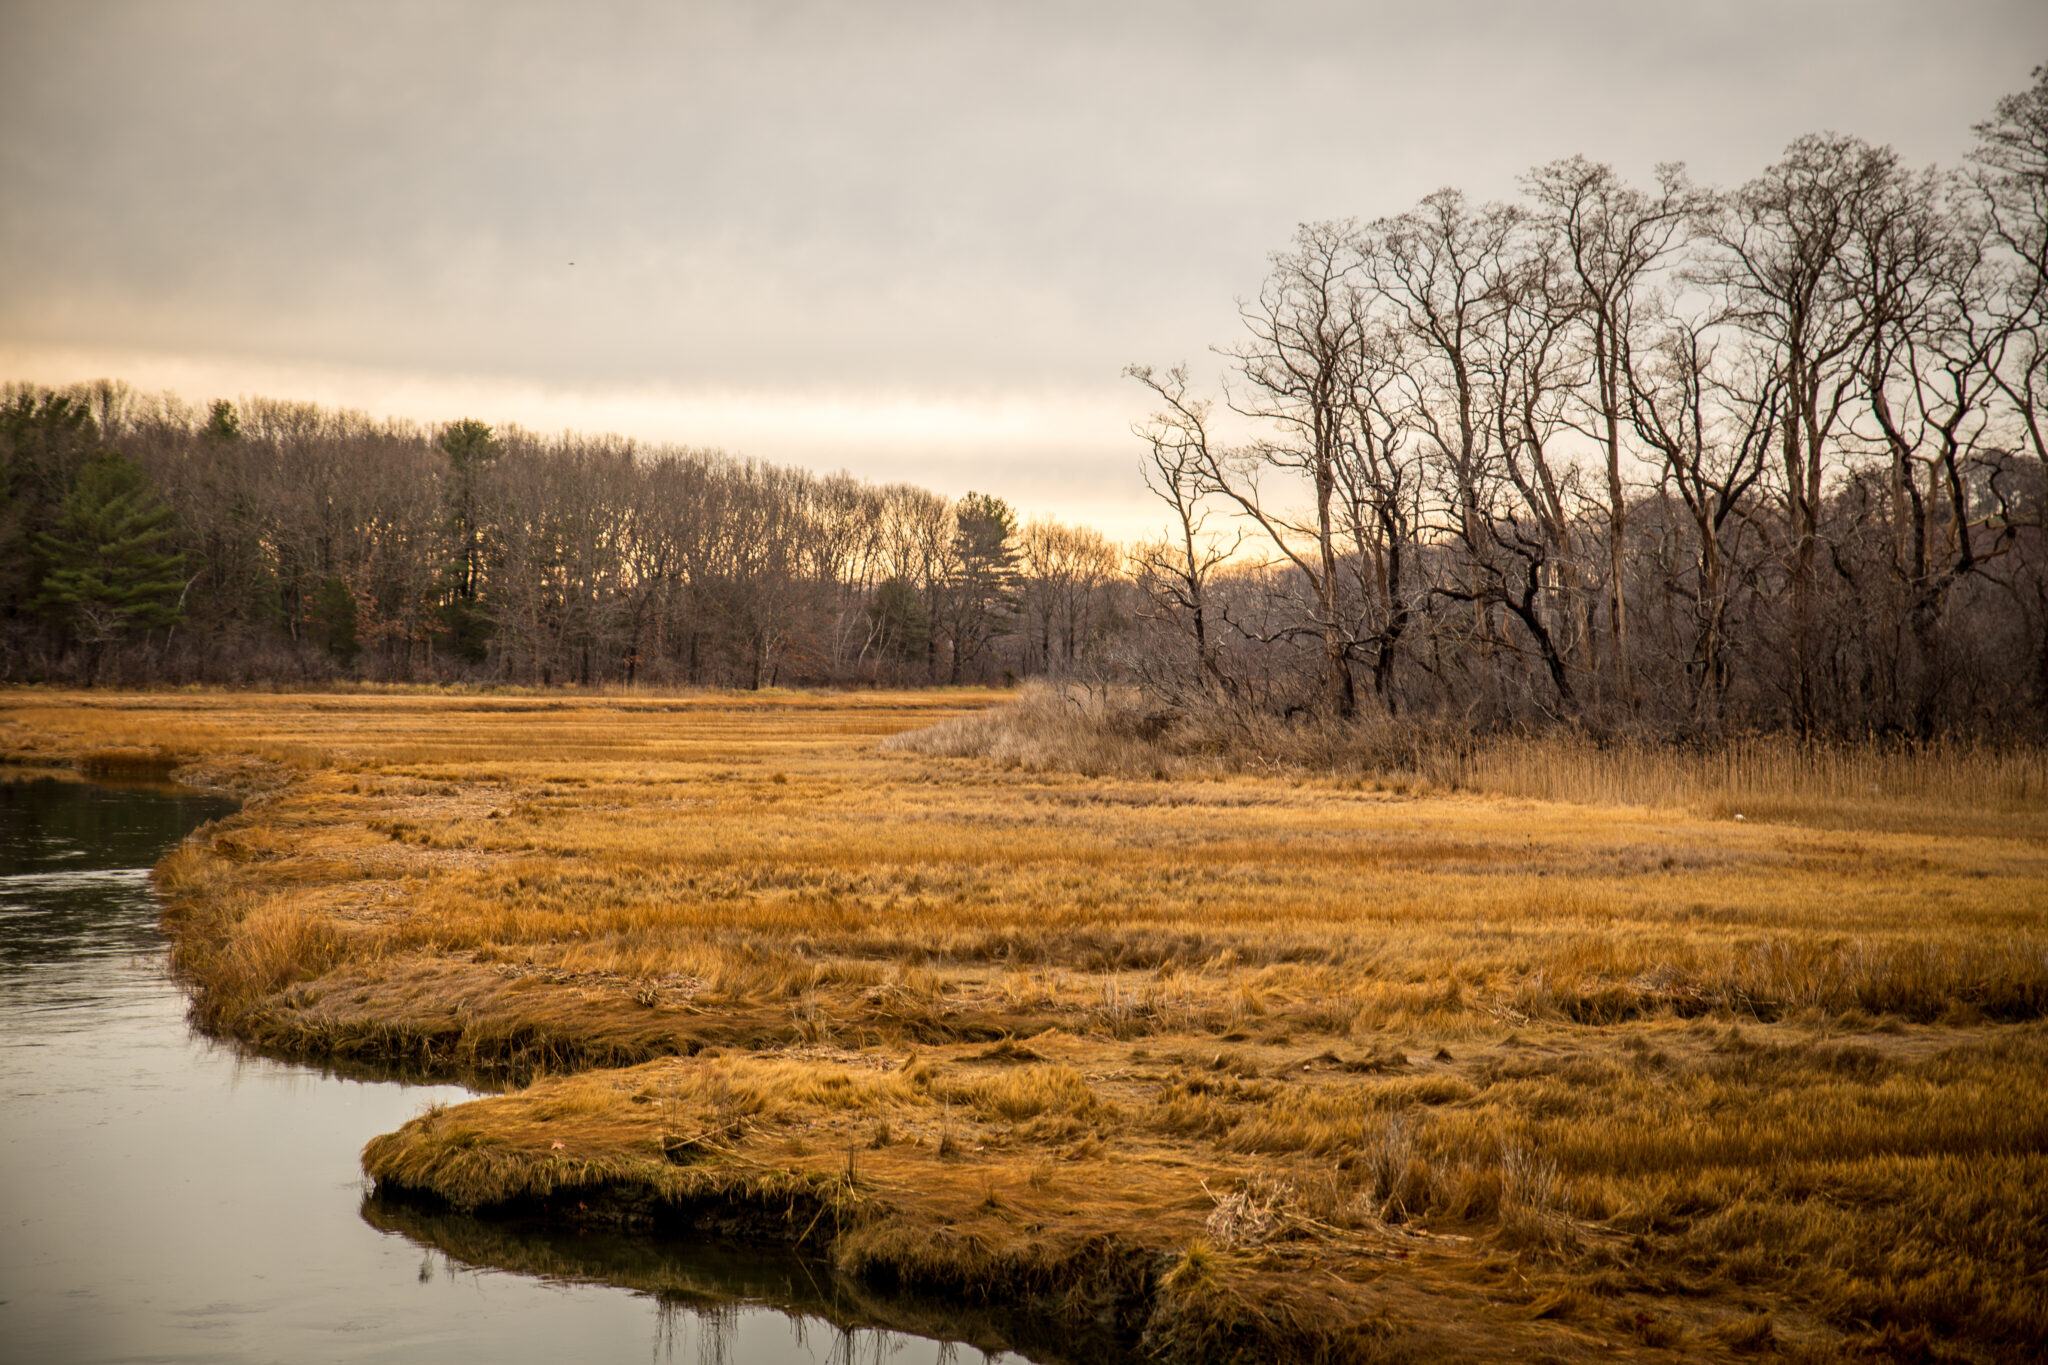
[1095, 1303]
[665, 1261]
[936, 1019]
[1091, 1298]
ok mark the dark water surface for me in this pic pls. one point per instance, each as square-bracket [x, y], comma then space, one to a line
[165, 1198]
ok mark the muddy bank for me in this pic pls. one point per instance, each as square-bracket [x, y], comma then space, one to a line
[783, 1255]
[702, 1264]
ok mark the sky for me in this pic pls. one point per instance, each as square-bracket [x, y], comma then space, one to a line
[918, 242]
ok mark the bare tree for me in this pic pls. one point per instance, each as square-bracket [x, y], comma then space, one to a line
[1923, 276]
[1063, 581]
[1777, 266]
[1174, 573]
[1444, 273]
[1711, 431]
[1614, 237]
[1299, 365]
[1529, 382]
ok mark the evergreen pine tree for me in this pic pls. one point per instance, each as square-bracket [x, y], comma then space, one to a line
[465, 620]
[983, 592]
[44, 438]
[109, 571]
[333, 620]
[897, 623]
[223, 426]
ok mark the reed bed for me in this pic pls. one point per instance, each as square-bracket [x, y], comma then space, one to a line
[1222, 1053]
[1880, 783]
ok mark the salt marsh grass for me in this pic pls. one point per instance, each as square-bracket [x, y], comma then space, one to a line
[1476, 1048]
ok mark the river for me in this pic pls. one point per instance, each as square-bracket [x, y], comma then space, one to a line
[164, 1197]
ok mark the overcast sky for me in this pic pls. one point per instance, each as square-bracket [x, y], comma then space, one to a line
[916, 241]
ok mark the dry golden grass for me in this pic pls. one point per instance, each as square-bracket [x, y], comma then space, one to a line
[1338, 1066]
[1953, 786]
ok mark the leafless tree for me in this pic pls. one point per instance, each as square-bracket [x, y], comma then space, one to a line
[1614, 237]
[1174, 573]
[1711, 429]
[1299, 367]
[1777, 267]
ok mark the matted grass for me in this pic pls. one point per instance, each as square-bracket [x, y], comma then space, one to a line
[1337, 1066]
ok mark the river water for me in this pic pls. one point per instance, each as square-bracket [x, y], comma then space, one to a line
[167, 1198]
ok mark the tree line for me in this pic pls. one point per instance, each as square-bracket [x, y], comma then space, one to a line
[1611, 454]
[278, 541]
[1662, 457]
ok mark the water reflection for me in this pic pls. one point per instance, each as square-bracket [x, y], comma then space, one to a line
[704, 1288]
[56, 824]
[165, 1198]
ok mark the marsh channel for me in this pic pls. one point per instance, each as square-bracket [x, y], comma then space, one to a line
[167, 1197]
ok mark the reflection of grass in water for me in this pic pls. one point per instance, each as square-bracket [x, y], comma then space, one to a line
[710, 1282]
[52, 821]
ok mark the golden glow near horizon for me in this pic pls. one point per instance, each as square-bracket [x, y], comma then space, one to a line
[1067, 454]
[918, 242]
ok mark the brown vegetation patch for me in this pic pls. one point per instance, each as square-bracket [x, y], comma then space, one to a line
[1222, 1063]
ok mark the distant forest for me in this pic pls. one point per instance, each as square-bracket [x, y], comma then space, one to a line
[1664, 459]
[279, 541]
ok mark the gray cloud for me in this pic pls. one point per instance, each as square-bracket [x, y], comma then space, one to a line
[948, 200]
